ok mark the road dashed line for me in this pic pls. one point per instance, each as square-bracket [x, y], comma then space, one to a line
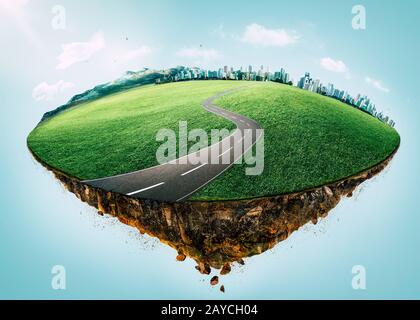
[145, 189]
[225, 152]
[188, 172]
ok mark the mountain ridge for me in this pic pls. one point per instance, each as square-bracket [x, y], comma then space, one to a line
[129, 80]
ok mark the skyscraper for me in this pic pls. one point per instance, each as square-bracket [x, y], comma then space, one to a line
[316, 85]
[330, 89]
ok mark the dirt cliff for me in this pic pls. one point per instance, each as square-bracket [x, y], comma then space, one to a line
[216, 234]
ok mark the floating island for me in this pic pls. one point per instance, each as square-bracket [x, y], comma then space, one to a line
[317, 150]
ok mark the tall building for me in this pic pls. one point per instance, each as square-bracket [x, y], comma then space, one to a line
[301, 83]
[330, 89]
[316, 85]
[220, 73]
[305, 81]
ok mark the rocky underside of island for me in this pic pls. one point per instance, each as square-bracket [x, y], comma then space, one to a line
[217, 234]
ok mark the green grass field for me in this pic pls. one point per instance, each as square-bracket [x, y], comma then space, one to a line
[117, 134]
[310, 140]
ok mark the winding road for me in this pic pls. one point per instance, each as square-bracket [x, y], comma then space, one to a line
[179, 179]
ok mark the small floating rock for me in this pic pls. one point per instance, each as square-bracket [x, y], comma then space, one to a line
[214, 281]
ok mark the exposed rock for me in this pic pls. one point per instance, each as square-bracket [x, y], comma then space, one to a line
[203, 268]
[255, 212]
[181, 257]
[226, 269]
[222, 289]
[214, 281]
[167, 212]
[328, 191]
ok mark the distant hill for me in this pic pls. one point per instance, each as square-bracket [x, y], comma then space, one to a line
[129, 80]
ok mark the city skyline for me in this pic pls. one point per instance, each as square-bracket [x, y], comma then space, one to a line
[360, 101]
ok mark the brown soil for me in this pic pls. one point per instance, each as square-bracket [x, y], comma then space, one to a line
[217, 234]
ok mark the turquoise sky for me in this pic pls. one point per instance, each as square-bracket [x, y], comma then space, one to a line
[43, 225]
[386, 51]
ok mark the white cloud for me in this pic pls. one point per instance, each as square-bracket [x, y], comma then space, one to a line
[47, 92]
[334, 65]
[199, 53]
[138, 53]
[258, 35]
[376, 84]
[80, 51]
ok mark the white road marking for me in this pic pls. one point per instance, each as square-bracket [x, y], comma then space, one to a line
[145, 189]
[225, 152]
[220, 173]
[188, 172]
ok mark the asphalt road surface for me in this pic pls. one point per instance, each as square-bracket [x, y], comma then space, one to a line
[179, 179]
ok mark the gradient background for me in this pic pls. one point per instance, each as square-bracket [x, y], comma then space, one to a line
[42, 225]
